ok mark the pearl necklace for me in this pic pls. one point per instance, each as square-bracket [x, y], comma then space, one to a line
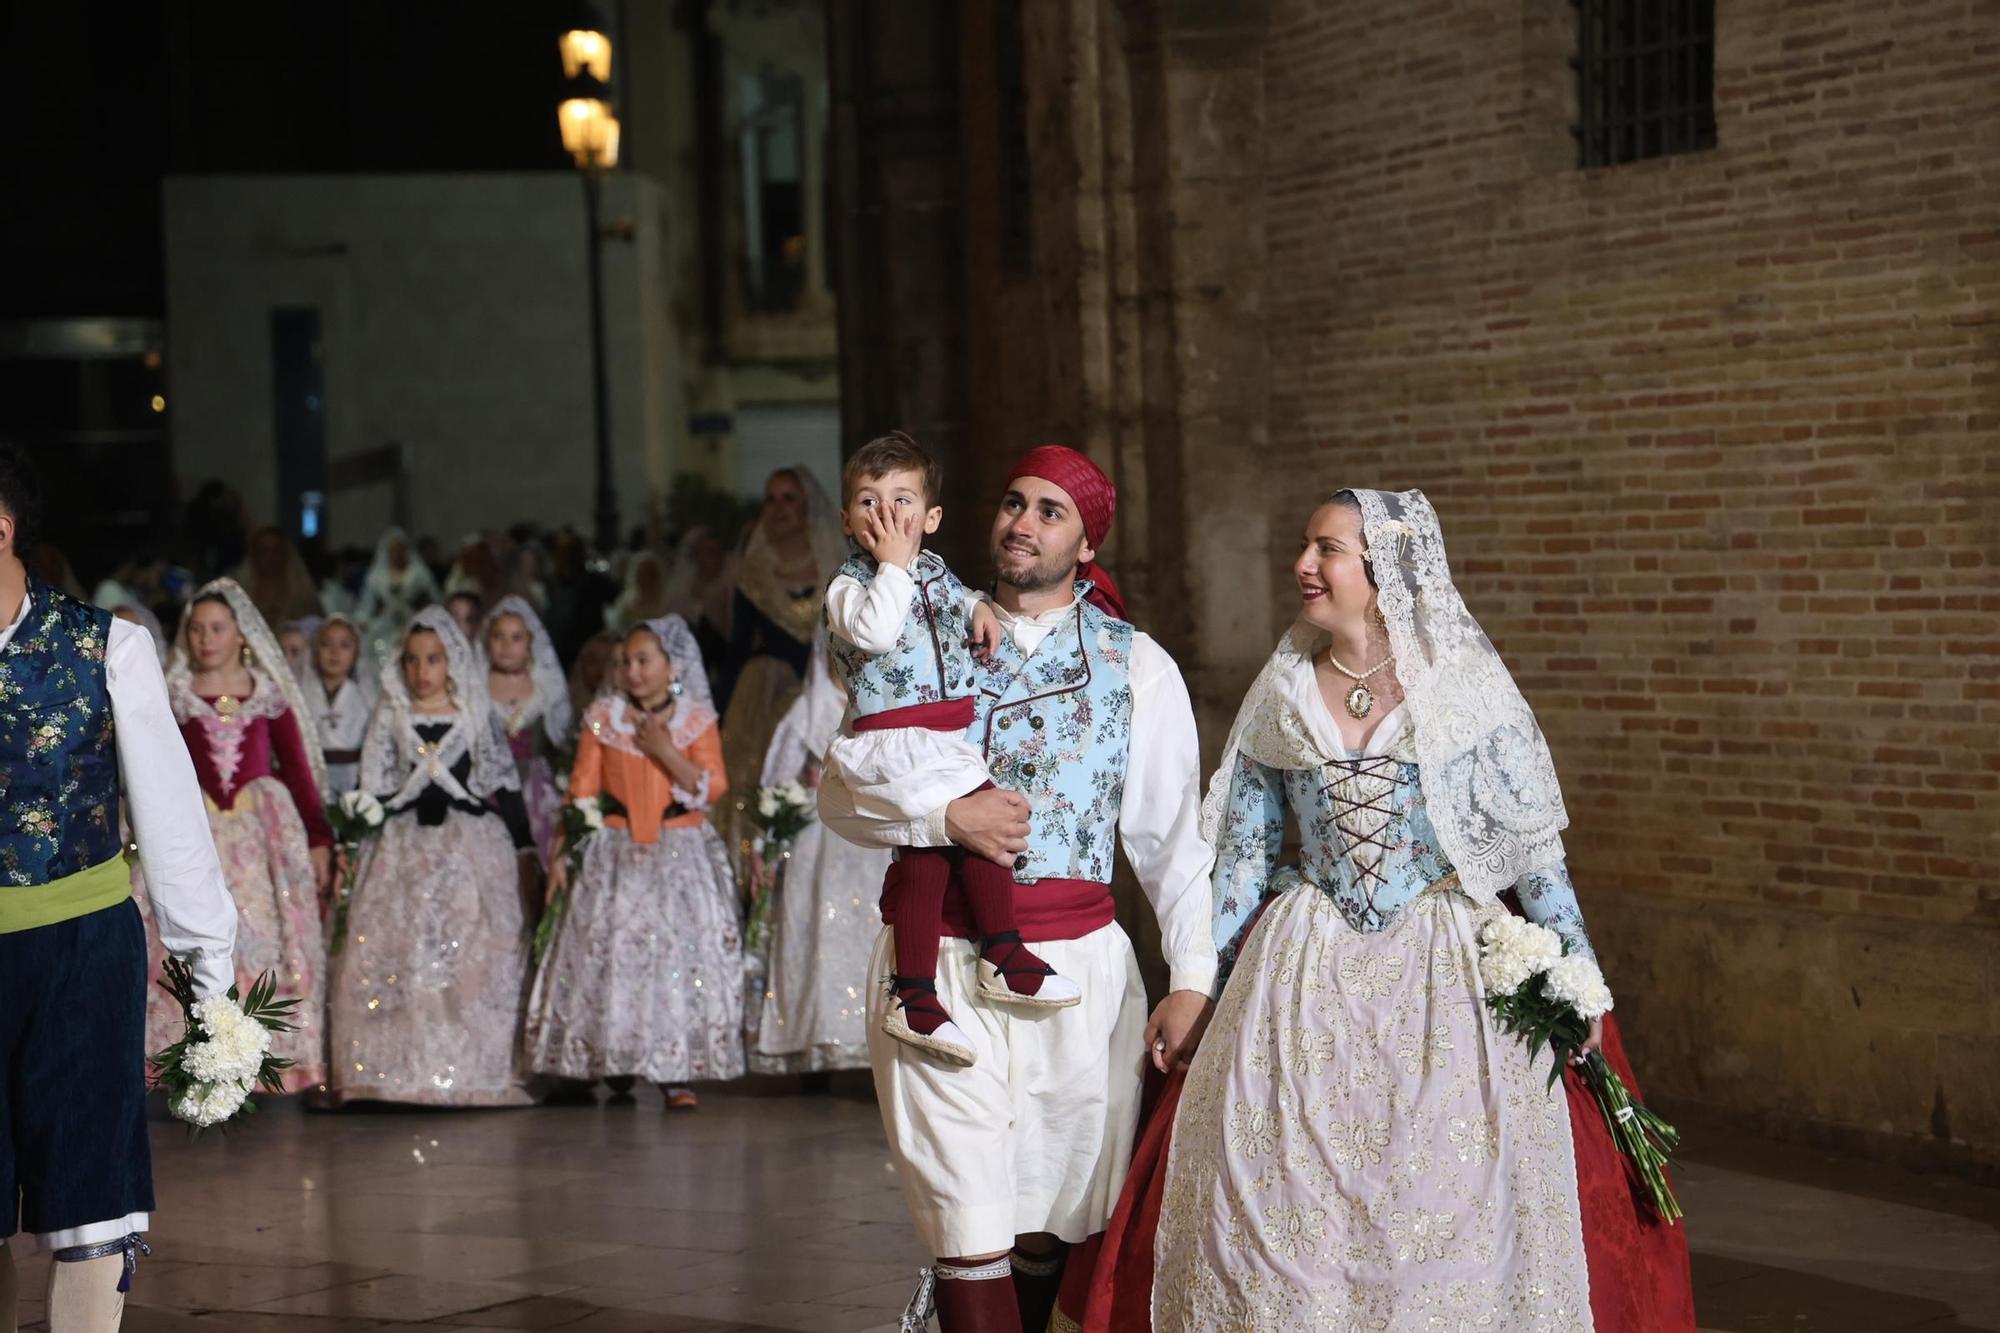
[1360, 700]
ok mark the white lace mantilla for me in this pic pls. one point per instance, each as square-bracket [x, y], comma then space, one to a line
[1486, 772]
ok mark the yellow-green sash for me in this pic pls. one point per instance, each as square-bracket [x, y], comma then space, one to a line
[105, 884]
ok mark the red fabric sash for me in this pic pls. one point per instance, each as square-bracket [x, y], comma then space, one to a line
[1048, 909]
[949, 715]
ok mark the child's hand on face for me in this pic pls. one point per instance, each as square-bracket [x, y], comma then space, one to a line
[986, 631]
[892, 538]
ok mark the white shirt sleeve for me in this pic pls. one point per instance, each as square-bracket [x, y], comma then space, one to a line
[870, 616]
[192, 908]
[837, 812]
[1159, 824]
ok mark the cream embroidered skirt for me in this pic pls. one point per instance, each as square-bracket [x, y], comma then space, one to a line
[1358, 1145]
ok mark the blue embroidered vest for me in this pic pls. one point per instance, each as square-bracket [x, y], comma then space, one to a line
[58, 759]
[930, 662]
[1057, 727]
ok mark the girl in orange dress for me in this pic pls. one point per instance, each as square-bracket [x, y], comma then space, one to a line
[644, 978]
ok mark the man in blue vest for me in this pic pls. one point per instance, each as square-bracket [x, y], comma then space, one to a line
[1090, 737]
[83, 710]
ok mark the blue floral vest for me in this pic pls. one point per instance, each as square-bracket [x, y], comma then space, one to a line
[1057, 728]
[58, 760]
[930, 662]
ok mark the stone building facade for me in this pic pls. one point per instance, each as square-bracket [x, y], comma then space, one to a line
[1715, 437]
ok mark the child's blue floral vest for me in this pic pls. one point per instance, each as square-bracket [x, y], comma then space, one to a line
[1057, 728]
[930, 662]
[58, 759]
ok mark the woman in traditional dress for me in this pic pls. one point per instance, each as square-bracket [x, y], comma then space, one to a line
[531, 698]
[644, 978]
[781, 577]
[261, 769]
[397, 586]
[339, 699]
[1358, 1143]
[807, 1007]
[425, 1003]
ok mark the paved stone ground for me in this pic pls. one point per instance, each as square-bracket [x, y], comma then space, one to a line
[780, 1212]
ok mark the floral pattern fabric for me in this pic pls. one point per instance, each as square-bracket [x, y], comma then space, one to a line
[261, 843]
[1057, 727]
[1359, 1147]
[58, 759]
[930, 662]
[425, 1001]
[645, 976]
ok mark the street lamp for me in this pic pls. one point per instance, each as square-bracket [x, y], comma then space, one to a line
[590, 136]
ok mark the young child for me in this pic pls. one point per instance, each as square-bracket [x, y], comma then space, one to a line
[644, 978]
[425, 1003]
[338, 701]
[899, 623]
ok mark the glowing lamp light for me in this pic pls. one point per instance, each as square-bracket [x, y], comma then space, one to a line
[586, 51]
[589, 132]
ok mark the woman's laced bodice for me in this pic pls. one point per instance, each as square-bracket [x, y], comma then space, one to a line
[1365, 840]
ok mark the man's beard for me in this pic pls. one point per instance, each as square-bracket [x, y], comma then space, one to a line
[1044, 572]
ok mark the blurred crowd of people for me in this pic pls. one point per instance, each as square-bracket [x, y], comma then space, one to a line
[479, 700]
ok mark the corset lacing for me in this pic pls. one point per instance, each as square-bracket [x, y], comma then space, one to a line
[1363, 792]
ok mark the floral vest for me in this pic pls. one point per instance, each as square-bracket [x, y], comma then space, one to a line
[1057, 727]
[930, 662]
[58, 758]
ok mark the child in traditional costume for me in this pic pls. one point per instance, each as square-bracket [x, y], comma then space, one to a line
[425, 1005]
[644, 978]
[899, 622]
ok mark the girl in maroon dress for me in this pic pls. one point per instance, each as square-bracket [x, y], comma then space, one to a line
[262, 774]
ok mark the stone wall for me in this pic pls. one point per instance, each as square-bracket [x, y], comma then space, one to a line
[1713, 437]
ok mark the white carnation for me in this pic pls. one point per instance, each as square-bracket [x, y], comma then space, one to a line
[209, 1104]
[794, 793]
[767, 802]
[233, 1046]
[1577, 982]
[359, 805]
[1512, 951]
[593, 814]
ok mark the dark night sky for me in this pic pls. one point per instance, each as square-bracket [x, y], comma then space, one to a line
[103, 99]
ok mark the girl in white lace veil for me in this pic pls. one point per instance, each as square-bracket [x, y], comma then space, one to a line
[424, 1005]
[264, 658]
[1484, 766]
[551, 686]
[644, 977]
[474, 729]
[260, 764]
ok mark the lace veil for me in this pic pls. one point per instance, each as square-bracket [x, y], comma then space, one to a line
[474, 728]
[1488, 779]
[267, 666]
[551, 685]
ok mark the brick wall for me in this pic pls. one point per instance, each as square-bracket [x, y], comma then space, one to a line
[1715, 440]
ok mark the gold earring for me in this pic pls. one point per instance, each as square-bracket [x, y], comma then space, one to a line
[243, 654]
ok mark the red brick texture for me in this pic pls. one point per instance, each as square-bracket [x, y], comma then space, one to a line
[1716, 443]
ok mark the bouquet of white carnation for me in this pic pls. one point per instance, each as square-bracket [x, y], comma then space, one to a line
[209, 1074]
[355, 818]
[1539, 991]
[781, 814]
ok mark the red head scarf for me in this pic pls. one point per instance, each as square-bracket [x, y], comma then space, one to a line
[1096, 500]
